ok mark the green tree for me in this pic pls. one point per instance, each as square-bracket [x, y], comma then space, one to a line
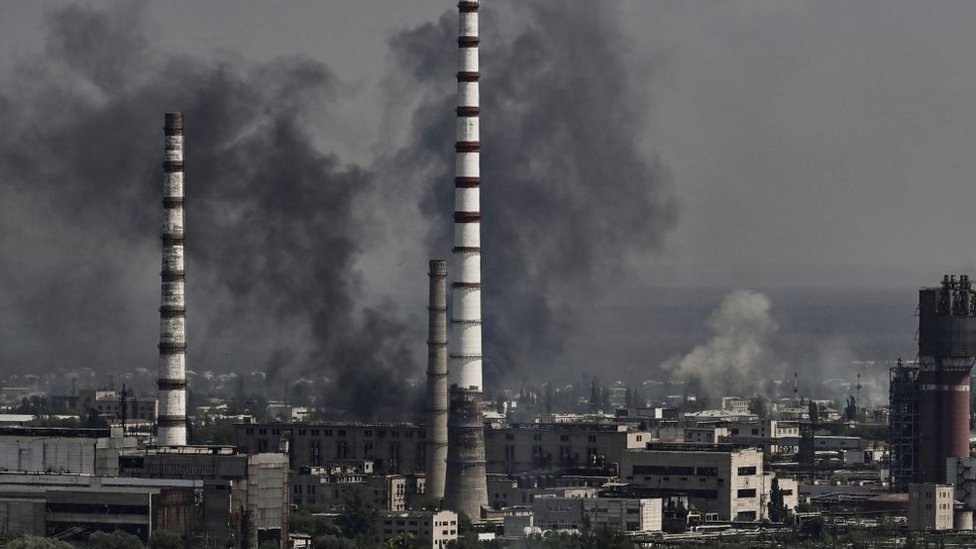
[814, 412]
[778, 511]
[114, 540]
[402, 541]
[31, 542]
[330, 541]
[358, 520]
[164, 539]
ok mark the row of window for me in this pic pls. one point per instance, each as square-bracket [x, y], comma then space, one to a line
[673, 470]
[335, 432]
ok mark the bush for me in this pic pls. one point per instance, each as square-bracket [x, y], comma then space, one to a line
[31, 542]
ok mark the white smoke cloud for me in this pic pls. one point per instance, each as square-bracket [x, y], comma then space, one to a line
[737, 358]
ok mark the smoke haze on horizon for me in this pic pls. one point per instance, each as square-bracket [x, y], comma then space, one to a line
[716, 153]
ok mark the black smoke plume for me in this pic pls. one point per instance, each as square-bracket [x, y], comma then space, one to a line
[568, 196]
[274, 224]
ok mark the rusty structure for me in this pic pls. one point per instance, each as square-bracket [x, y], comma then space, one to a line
[946, 351]
[436, 441]
[466, 485]
[903, 425]
[171, 420]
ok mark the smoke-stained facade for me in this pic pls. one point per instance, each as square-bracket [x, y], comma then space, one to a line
[171, 420]
[436, 442]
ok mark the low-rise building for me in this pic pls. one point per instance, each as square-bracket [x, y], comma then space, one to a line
[628, 515]
[517, 448]
[331, 488]
[393, 449]
[716, 478]
[433, 529]
[930, 506]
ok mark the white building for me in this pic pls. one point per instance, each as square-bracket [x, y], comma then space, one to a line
[434, 529]
[715, 478]
[930, 506]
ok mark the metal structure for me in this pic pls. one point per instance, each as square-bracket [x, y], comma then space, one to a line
[466, 488]
[946, 350]
[436, 441]
[171, 421]
[903, 425]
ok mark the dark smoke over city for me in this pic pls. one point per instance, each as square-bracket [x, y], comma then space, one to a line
[276, 224]
[568, 194]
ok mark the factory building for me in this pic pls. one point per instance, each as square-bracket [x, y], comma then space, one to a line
[575, 512]
[930, 506]
[433, 529]
[330, 487]
[718, 479]
[244, 501]
[517, 448]
[62, 450]
[393, 449]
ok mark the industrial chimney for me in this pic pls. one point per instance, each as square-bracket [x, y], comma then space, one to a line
[437, 380]
[171, 419]
[466, 488]
[946, 350]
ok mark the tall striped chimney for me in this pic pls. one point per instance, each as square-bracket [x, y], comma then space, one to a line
[171, 419]
[466, 487]
[437, 380]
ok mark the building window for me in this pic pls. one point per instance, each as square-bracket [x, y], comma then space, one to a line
[746, 471]
[747, 493]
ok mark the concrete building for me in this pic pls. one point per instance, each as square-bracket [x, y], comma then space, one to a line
[394, 449]
[433, 529]
[73, 506]
[576, 511]
[930, 506]
[319, 486]
[717, 479]
[61, 450]
[558, 513]
[245, 496]
[519, 448]
[628, 515]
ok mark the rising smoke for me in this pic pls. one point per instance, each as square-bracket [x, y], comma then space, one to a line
[737, 359]
[567, 193]
[274, 224]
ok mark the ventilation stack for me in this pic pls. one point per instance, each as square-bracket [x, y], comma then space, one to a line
[436, 466]
[946, 350]
[171, 420]
[466, 488]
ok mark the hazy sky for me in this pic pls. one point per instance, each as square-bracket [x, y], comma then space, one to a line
[835, 136]
[821, 143]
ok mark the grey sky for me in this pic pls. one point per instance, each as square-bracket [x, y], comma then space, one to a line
[831, 134]
[820, 143]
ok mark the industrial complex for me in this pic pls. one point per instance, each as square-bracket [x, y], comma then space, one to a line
[649, 464]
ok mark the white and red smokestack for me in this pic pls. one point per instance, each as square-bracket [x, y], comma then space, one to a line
[171, 419]
[466, 485]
